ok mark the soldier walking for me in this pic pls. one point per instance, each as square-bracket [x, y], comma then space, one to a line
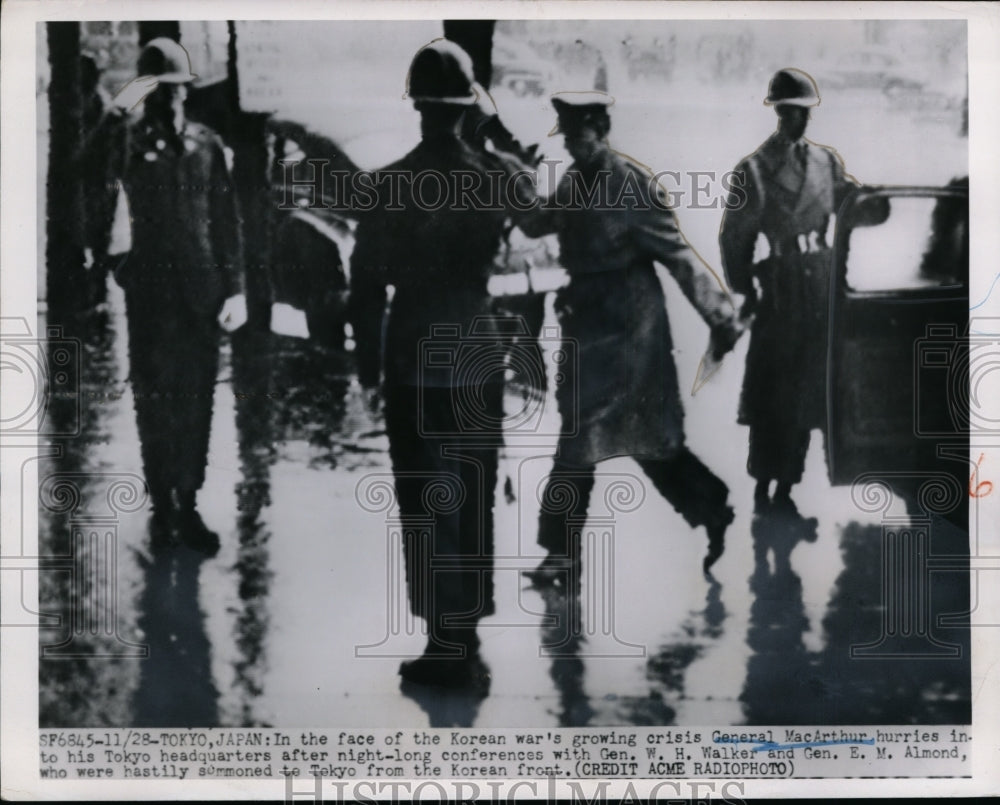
[621, 393]
[184, 271]
[793, 188]
[443, 364]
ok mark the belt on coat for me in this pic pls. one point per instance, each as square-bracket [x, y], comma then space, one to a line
[804, 243]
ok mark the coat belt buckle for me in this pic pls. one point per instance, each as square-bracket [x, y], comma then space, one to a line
[809, 243]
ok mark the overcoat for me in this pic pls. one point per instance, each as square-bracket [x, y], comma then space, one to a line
[618, 390]
[186, 259]
[791, 191]
[186, 237]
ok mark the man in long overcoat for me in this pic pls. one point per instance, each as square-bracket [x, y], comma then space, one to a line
[791, 190]
[184, 271]
[620, 393]
[443, 362]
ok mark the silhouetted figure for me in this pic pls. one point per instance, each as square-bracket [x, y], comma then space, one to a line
[184, 271]
[792, 188]
[619, 393]
[443, 397]
[176, 686]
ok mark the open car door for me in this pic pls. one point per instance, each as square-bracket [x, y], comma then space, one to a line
[897, 382]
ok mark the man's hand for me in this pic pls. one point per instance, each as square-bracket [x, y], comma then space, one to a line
[135, 92]
[749, 304]
[234, 313]
[724, 337]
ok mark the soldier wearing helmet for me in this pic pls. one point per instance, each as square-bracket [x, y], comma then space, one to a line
[184, 271]
[793, 188]
[443, 415]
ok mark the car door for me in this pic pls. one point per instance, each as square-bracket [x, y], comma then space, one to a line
[897, 383]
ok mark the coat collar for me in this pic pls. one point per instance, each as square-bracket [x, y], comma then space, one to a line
[817, 175]
[779, 161]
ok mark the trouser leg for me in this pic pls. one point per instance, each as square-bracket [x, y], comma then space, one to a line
[694, 491]
[564, 505]
[778, 453]
[150, 376]
[173, 361]
[445, 486]
[193, 415]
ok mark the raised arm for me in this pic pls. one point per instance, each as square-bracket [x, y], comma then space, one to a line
[108, 140]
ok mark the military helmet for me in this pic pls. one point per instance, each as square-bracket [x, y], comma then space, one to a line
[441, 72]
[167, 60]
[792, 87]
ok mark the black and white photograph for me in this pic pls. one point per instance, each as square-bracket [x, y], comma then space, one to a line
[473, 396]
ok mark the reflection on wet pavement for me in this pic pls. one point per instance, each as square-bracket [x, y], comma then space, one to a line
[786, 684]
[444, 707]
[560, 640]
[175, 688]
[252, 382]
[268, 632]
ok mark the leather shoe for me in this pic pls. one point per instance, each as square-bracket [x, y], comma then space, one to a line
[196, 535]
[447, 672]
[553, 572]
[161, 530]
[716, 542]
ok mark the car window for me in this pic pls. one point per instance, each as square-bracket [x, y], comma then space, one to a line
[924, 243]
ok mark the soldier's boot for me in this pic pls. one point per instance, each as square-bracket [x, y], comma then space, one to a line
[548, 573]
[562, 571]
[761, 497]
[783, 505]
[191, 528]
[783, 496]
[163, 520]
[451, 659]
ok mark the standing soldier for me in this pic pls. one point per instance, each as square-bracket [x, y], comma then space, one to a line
[613, 222]
[443, 363]
[184, 271]
[792, 187]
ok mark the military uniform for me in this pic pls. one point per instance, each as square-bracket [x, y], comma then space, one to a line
[443, 376]
[792, 191]
[620, 391]
[186, 259]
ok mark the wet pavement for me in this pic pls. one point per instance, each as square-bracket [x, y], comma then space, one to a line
[301, 618]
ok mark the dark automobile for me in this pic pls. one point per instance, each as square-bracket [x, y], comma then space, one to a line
[311, 237]
[898, 371]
